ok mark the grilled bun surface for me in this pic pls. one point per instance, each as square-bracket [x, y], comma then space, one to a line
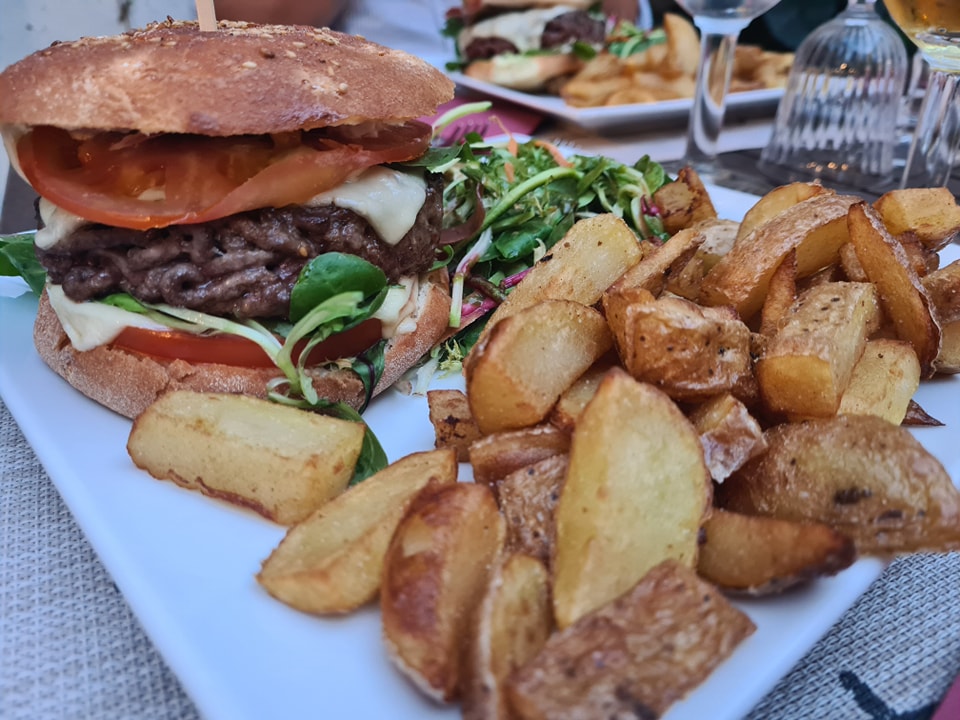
[241, 80]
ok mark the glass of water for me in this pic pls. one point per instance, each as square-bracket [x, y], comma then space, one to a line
[720, 23]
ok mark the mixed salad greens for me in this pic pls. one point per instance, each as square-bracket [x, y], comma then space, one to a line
[505, 205]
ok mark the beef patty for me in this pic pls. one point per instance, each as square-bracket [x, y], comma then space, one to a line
[570, 27]
[243, 265]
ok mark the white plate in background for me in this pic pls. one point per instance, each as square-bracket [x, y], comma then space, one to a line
[615, 117]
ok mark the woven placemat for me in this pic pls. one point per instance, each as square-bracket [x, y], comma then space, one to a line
[71, 648]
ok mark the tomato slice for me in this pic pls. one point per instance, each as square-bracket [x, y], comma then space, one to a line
[143, 182]
[238, 351]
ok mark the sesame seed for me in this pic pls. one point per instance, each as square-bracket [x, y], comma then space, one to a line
[297, 43]
[290, 54]
[249, 64]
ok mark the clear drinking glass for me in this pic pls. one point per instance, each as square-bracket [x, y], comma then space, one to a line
[838, 116]
[934, 26]
[720, 23]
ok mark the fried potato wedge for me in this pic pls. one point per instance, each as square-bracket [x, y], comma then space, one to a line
[869, 479]
[517, 373]
[807, 365]
[657, 265]
[528, 499]
[757, 555]
[434, 573]
[719, 236]
[683, 46]
[775, 202]
[730, 435]
[688, 351]
[931, 214]
[495, 456]
[575, 398]
[901, 293]
[635, 656]
[684, 202]
[883, 381]
[513, 622]
[781, 295]
[281, 462]
[331, 562]
[943, 288]
[453, 423]
[636, 492]
[816, 228]
[589, 258]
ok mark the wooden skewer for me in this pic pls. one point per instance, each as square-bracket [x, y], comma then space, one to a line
[207, 15]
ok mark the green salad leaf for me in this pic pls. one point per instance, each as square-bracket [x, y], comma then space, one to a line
[17, 258]
[529, 194]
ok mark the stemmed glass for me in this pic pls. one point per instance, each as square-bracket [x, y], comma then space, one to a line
[934, 26]
[720, 23]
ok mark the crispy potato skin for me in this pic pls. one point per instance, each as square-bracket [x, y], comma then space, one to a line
[756, 555]
[635, 656]
[528, 498]
[902, 295]
[452, 421]
[862, 475]
[513, 622]
[689, 352]
[729, 434]
[494, 457]
[434, 573]
[684, 202]
[816, 228]
[943, 287]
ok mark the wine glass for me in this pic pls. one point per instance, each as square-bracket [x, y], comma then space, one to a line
[720, 23]
[934, 27]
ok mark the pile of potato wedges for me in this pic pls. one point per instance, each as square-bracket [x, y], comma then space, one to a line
[651, 428]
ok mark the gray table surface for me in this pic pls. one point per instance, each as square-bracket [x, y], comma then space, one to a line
[71, 648]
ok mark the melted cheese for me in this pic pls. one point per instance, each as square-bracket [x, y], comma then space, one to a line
[398, 307]
[387, 199]
[523, 29]
[91, 324]
[57, 224]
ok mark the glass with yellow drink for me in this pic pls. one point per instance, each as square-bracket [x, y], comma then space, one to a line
[934, 26]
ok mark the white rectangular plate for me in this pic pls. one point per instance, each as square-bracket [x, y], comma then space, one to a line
[613, 117]
[186, 563]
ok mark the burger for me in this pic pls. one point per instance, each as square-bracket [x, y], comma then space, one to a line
[201, 193]
[525, 44]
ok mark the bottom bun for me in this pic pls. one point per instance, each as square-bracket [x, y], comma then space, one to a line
[523, 72]
[128, 382]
